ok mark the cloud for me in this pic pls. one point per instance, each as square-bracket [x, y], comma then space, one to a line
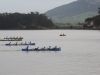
[26, 6]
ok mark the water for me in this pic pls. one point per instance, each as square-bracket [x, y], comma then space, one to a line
[79, 55]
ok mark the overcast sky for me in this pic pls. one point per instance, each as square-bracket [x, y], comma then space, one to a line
[26, 6]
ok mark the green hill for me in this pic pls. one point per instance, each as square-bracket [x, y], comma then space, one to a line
[74, 12]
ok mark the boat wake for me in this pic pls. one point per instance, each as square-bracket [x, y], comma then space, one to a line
[2, 45]
[8, 50]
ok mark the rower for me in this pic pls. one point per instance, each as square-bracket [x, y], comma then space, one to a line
[16, 43]
[9, 43]
[25, 42]
[30, 42]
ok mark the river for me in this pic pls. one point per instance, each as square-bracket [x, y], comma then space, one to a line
[79, 55]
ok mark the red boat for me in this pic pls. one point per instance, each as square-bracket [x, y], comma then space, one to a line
[62, 35]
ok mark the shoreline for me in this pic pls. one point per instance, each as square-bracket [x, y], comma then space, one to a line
[50, 29]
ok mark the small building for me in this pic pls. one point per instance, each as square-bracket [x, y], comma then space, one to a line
[88, 24]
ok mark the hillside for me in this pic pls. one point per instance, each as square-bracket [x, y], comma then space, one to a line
[74, 12]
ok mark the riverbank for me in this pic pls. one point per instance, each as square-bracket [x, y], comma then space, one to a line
[74, 27]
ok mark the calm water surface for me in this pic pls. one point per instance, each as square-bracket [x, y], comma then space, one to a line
[79, 55]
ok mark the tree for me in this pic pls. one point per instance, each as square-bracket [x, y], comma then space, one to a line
[29, 21]
[99, 10]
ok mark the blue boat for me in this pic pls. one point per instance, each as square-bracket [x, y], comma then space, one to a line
[16, 44]
[43, 49]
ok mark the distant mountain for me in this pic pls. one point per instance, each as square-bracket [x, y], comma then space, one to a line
[74, 12]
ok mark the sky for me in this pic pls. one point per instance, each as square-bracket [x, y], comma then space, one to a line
[26, 6]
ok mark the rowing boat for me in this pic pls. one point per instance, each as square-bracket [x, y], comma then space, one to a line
[13, 38]
[10, 39]
[16, 44]
[62, 35]
[43, 49]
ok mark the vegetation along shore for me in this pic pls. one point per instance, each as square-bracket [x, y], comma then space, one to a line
[35, 20]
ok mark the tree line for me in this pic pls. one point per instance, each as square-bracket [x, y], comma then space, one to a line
[32, 20]
[95, 19]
